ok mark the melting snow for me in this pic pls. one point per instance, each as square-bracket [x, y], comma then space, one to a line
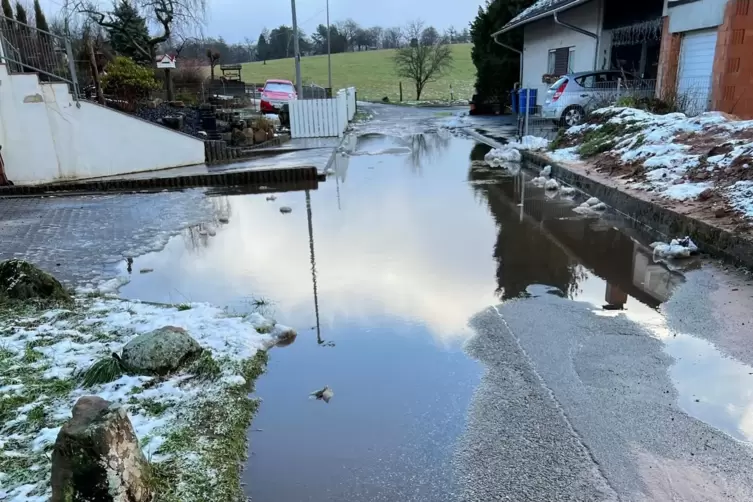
[67, 342]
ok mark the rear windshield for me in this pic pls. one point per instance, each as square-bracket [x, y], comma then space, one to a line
[278, 87]
[558, 83]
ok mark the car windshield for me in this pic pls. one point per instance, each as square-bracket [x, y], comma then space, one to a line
[558, 83]
[279, 87]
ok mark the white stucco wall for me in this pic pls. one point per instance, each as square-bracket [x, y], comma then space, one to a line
[697, 15]
[542, 36]
[45, 137]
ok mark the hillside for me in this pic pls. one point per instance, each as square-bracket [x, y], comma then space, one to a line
[371, 72]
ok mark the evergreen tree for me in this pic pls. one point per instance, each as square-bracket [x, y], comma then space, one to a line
[7, 9]
[21, 13]
[262, 48]
[131, 32]
[39, 18]
[497, 68]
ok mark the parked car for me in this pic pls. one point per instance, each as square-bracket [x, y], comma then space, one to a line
[571, 97]
[275, 94]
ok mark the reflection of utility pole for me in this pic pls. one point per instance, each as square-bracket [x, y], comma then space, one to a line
[313, 271]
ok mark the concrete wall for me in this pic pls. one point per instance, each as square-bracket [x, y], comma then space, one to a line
[45, 137]
[696, 15]
[542, 36]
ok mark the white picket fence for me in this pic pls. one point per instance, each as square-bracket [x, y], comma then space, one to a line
[322, 118]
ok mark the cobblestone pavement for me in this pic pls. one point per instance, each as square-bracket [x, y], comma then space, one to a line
[82, 239]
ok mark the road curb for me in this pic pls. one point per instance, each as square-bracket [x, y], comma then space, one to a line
[710, 239]
[285, 176]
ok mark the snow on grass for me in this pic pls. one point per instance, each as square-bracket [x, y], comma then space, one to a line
[663, 146]
[192, 425]
[740, 196]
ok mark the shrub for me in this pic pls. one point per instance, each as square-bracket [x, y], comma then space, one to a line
[127, 80]
[190, 72]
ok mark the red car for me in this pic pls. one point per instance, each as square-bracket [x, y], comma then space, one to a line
[275, 94]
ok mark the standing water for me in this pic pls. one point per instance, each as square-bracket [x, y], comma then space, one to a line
[379, 271]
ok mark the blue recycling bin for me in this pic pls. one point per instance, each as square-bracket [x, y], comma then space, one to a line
[523, 103]
[514, 99]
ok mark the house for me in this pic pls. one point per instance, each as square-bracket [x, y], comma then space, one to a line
[563, 36]
[695, 49]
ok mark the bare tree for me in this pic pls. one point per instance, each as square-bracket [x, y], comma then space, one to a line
[430, 36]
[171, 16]
[451, 34]
[349, 29]
[419, 62]
[214, 57]
[393, 38]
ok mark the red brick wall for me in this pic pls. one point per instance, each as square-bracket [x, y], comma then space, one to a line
[732, 84]
[669, 61]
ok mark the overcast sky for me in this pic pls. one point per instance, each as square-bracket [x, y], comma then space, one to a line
[237, 19]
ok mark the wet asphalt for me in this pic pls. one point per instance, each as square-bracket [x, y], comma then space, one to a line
[482, 340]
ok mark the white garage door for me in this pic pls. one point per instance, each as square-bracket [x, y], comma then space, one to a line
[696, 67]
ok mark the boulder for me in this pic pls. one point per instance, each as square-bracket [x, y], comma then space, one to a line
[260, 136]
[160, 352]
[97, 456]
[21, 280]
[173, 121]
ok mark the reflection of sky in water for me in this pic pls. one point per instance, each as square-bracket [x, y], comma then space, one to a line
[398, 244]
[722, 385]
[386, 252]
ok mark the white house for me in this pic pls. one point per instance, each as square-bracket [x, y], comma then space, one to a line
[564, 36]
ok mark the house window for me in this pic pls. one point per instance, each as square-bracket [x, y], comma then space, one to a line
[561, 61]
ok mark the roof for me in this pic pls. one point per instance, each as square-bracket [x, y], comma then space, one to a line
[278, 81]
[538, 10]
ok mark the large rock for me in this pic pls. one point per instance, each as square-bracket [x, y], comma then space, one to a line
[21, 280]
[160, 351]
[97, 456]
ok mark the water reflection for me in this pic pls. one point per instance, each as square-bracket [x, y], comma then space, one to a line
[541, 241]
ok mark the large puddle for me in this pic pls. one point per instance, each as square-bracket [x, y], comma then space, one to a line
[380, 270]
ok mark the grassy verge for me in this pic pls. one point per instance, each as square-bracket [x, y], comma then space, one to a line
[191, 425]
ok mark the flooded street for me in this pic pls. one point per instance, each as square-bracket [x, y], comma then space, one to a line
[483, 341]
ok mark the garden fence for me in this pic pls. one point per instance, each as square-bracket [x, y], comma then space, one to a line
[321, 118]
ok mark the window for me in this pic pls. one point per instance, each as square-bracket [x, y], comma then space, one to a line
[561, 61]
[586, 81]
[279, 87]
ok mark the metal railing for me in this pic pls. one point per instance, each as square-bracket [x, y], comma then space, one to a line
[26, 49]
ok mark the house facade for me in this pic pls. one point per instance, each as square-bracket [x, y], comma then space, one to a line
[565, 36]
[695, 49]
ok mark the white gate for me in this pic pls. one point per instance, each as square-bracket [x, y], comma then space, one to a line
[322, 118]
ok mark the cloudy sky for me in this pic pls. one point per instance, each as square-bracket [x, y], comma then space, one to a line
[235, 20]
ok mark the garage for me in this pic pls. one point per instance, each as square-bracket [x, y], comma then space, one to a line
[696, 68]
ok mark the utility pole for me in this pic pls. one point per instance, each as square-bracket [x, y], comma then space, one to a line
[297, 53]
[329, 52]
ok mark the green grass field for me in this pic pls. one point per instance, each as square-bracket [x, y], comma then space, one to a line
[372, 73]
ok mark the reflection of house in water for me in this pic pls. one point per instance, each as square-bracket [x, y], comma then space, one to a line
[543, 241]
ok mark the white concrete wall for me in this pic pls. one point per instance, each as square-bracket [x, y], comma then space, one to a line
[542, 36]
[697, 15]
[45, 137]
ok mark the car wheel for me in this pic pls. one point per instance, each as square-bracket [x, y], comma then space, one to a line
[572, 116]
